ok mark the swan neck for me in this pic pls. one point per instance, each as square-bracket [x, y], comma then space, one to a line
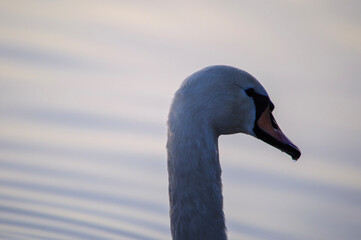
[195, 187]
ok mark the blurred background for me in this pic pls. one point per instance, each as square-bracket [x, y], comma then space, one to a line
[85, 89]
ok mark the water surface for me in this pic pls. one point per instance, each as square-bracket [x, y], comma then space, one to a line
[85, 89]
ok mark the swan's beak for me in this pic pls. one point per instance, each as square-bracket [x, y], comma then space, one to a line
[269, 132]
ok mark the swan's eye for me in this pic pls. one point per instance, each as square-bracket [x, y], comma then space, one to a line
[250, 92]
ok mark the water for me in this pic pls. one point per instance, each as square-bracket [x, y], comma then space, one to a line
[85, 89]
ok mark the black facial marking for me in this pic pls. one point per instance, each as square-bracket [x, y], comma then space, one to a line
[271, 106]
[261, 101]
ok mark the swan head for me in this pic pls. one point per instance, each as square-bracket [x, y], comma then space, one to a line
[229, 100]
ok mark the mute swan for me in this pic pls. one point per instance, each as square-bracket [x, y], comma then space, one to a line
[213, 101]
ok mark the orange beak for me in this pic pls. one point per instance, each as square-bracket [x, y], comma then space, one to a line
[272, 134]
